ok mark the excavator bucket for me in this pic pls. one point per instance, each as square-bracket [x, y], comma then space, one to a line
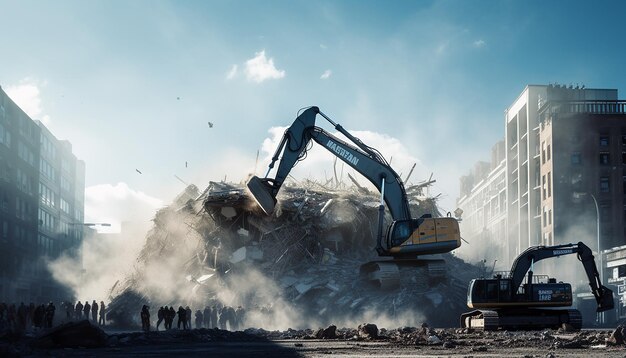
[262, 194]
[606, 301]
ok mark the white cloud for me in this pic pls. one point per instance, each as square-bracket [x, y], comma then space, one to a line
[117, 204]
[326, 74]
[232, 73]
[479, 43]
[27, 96]
[260, 68]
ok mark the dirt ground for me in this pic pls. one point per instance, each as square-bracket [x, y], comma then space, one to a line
[349, 342]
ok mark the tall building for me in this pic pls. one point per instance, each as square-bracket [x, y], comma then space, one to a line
[483, 204]
[565, 151]
[41, 205]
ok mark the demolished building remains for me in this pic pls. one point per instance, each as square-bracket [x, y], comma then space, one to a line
[297, 268]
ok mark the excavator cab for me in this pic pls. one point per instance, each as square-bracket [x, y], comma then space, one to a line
[423, 236]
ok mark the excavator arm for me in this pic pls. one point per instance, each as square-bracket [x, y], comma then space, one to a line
[406, 237]
[524, 262]
[363, 159]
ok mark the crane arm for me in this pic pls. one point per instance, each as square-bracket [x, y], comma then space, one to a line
[521, 265]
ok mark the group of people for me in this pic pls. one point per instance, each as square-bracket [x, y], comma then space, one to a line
[217, 316]
[87, 311]
[22, 317]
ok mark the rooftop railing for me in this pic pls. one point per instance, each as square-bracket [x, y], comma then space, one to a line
[593, 107]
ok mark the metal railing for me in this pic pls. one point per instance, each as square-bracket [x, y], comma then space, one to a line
[592, 107]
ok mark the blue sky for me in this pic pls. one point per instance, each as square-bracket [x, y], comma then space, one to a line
[133, 84]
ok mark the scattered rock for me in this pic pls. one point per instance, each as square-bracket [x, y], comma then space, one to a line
[368, 331]
[567, 328]
[434, 339]
[328, 333]
[617, 337]
[449, 344]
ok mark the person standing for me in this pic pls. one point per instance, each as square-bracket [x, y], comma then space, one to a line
[69, 310]
[207, 317]
[240, 314]
[160, 316]
[145, 318]
[181, 317]
[223, 317]
[101, 310]
[87, 310]
[172, 315]
[78, 313]
[50, 315]
[188, 317]
[214, 314]
[94, 311]
[199, 319]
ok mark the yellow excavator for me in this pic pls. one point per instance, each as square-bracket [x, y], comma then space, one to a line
[406, 238]
[506, 302]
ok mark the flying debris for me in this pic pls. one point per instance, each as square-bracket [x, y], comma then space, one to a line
[185, 164]
[210, 124]
[138, 171]
[178, 98]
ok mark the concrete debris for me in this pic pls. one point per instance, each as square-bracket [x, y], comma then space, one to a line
[311, 247]
[617, 336]
[328, 333]
[368, 331]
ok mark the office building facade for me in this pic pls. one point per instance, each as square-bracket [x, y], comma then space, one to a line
[41, 205]
[564, 150]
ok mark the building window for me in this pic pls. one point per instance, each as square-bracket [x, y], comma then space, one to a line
[543, 186]
[47, 170]
[604, 185]
[549, 184]
[65, 184]
[604, 158]
[543, 152]
[25, 153]
[549, 217]
[65, 206]
[548, 152]
[576, 158]
[47, 196]
[5, 136]
[604, 140]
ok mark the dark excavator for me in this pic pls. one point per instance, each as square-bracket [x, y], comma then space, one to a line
[509, 303]
[406, 237]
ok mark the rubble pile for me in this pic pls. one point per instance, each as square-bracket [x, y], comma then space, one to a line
[306, 255]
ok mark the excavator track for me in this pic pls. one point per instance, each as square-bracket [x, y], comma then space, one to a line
[575, 318]
[492, 320]
[391, 274]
